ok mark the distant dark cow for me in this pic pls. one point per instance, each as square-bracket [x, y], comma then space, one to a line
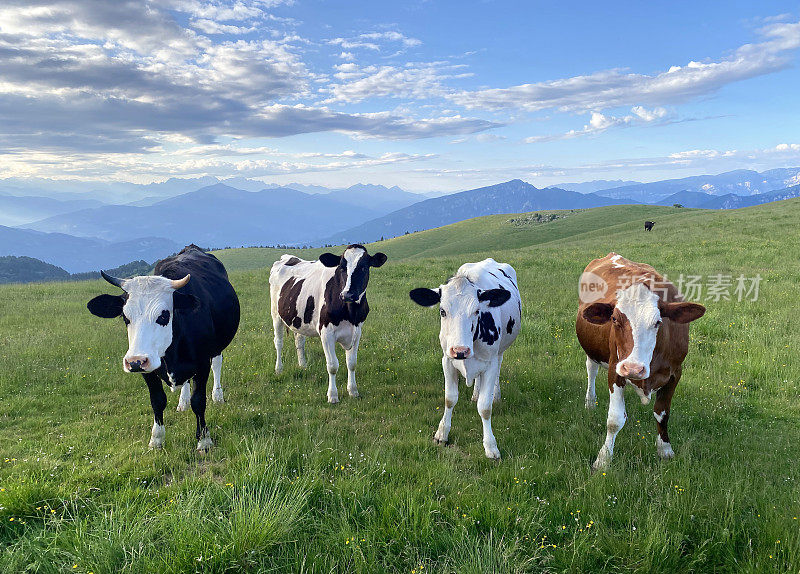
[326, 299]
[637, 326]
[648, 225]
[177, 330]
[481, 310]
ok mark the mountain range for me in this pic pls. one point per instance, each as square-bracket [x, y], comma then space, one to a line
[84, 230]
[220, 215]
[513, 196]
[77, 254]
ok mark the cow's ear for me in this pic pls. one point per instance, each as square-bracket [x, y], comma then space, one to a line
[495, 297]
[184, 301]
[425, 297]
[378, 259]
[682, 312]
[106, 306]
[598, 313]
[330, 260]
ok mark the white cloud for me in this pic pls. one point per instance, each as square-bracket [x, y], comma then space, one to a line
[599, 122]
[420, 80]
[617, 88]
[374, 40]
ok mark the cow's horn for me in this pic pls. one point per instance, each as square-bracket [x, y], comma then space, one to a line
[116, 281]
[178, 283]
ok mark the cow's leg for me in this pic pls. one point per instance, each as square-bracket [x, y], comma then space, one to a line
[616, 418]
[450, 400]
[328, 337]
[158, 400]
[661, 413]
[216, 369]
[497, 383]
[300, 347]
[488, 379]
[476, 389]
[591, 373]
[204, 442]
[183, 399]
[351, 357]
[277, 327]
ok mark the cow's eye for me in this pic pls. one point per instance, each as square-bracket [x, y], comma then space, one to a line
[613, 319]
[657, 324]
[163, 319]
[477, 311]
[442, 313]
[126, 320]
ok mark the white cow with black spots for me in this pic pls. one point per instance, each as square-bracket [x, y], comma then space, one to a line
[326, 299]
[480, 310]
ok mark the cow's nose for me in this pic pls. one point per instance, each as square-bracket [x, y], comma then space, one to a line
[137, 364]
[632, 370]
[460, 352]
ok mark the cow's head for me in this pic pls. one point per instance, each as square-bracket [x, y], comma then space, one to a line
[636, 320]
[147, 306]
[460, 306]
[353, 265]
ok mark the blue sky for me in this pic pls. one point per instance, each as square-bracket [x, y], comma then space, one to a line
[422, 94]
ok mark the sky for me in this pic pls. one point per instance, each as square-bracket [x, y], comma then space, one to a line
[428, 95]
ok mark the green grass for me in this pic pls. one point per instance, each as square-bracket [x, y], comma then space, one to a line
[295, 484]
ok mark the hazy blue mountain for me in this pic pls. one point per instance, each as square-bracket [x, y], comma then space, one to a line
[16, 210]
[592, 186]
[733, 201]
[729, 200]
[739, 182]
[513, 196]
[687, 199]
[77, 254]
[377, 197]
[218, 216]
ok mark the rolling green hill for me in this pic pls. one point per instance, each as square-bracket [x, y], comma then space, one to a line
[297, 484]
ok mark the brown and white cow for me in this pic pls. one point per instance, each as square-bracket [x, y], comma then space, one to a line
[635, 322]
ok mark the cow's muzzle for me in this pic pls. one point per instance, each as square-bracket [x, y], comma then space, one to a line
[137, 364]
[459, 353]
[634, 371]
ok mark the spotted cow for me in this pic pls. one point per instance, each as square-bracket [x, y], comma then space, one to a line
[326, 299]
[179, 321]
[634, 322]
[480, 309]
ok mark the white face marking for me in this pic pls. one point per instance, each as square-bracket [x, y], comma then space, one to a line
[640, 306]
[148, 299]
[352, 256]
[615, 261]
[460, 309]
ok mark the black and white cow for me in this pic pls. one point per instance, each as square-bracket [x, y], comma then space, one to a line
[481, 313]
[179, 321]
[326, 299]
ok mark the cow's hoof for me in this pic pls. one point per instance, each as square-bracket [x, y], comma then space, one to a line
[492, 452]
[217, 397]
[438, 440]
[590, 403]
[333, 400]
[204, 445]
[156, 444]
[599, 465]
[664, 449]
[355, 395]
[182, 407]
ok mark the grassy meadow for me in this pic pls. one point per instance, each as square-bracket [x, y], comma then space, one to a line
[297, 485]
